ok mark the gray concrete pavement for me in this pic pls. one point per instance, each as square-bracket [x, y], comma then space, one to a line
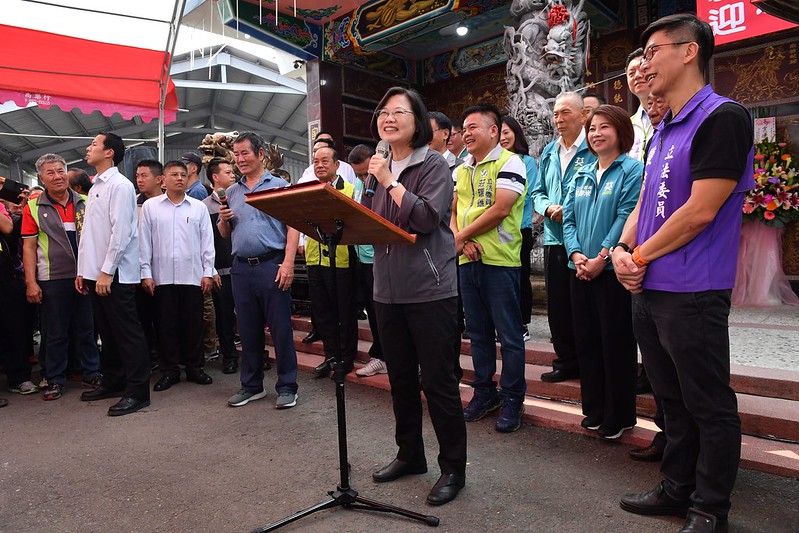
[190, 463]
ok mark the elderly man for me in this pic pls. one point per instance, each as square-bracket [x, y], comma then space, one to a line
[51, 228]
[560, 161]
[263, 268]
[321, 282]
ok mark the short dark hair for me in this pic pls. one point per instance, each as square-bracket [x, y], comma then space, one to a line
[599, 97]
[442, 121]
[175, 163]
[112, 141]
[155, 166]
[620, 121]
[692, 27]
[213, 167]
[424, 133]
[520, 145]
[360, 153]
[80, 180]
[485, 109]
[638, 52]
[255, 140]
[328, 142]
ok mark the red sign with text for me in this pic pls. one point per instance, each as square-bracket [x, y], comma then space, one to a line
[733, 20]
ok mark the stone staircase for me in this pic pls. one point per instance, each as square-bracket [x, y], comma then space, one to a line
[768, 401]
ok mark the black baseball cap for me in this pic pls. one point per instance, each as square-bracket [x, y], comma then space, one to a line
[191, 157]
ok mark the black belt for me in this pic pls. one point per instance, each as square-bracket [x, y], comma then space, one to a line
[257, 260]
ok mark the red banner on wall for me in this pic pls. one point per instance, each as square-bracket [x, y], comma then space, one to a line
[733, 20]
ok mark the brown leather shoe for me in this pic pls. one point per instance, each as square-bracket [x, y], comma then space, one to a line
[648, 454]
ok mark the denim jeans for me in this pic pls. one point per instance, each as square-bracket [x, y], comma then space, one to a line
[491, 303]
[69, 321]
[260, 302]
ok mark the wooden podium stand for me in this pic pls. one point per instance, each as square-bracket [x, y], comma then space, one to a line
[336, 219]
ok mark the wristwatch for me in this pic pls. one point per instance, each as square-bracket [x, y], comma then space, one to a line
[620, 245]
[391, 185]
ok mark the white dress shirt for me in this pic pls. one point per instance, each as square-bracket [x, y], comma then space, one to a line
[109, 241]
[344, 170]
[567, 153]
[177, 241]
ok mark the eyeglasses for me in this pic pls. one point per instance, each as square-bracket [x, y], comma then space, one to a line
[385, 113]
[650, 52]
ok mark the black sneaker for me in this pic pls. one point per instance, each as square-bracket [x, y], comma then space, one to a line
[591, 424]
[53, 391]
[510, 416]
[481, 405]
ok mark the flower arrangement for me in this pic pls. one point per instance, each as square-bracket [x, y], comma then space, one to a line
[775, 198]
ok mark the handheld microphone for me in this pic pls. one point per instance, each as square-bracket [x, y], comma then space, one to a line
[220, 192]
[383, 148]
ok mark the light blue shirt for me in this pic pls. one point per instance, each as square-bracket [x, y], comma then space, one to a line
[366, 252]
[197, 190]
[253, 232]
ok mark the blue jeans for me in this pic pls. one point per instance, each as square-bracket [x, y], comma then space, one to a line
[68, 321]
[260, 302]
[491, 303]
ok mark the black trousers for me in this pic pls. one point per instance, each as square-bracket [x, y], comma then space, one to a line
[145, 306]
[365, 280]
[422, 335]
[525, 287]
[606, 350]
[179, 317]
[225, 318]
[14, 336]
[685, 345]
[323, 310]
[124, 360]
[559, 310]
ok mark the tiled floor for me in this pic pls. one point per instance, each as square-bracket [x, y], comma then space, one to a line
[762, 337]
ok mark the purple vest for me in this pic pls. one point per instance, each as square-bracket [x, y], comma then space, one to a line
[708, 262]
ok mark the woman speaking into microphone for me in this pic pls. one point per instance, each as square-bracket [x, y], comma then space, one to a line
[415, 293]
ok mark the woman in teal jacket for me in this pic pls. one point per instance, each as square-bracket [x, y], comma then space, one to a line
[597, 204]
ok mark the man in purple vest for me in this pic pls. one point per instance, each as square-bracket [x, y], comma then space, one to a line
[677, 255]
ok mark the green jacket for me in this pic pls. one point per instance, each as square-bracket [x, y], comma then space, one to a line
[476, 188]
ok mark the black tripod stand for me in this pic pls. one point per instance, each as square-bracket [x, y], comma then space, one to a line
[344, 495]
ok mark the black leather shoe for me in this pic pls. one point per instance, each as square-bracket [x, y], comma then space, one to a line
[99, 394]
[701, 522]
[446, 488]
[649, 454]
[396, 469]
[230, 367]
[323, 370]
[556, 376]
[165, 382]
[125, 406]
[654, 503]
[199, 377]
[313, 336]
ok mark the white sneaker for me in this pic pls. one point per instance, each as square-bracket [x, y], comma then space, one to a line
[374, 366]
[26, 387]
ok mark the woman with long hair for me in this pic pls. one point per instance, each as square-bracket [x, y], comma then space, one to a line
[415, 293]
[597, 205]
[511, 138]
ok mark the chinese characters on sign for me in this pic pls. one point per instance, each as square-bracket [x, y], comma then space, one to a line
[733, 20]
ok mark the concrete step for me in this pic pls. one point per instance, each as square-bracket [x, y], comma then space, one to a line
[766, 455]
[772, 383]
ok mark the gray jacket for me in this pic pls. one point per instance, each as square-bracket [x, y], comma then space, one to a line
[423, 271]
